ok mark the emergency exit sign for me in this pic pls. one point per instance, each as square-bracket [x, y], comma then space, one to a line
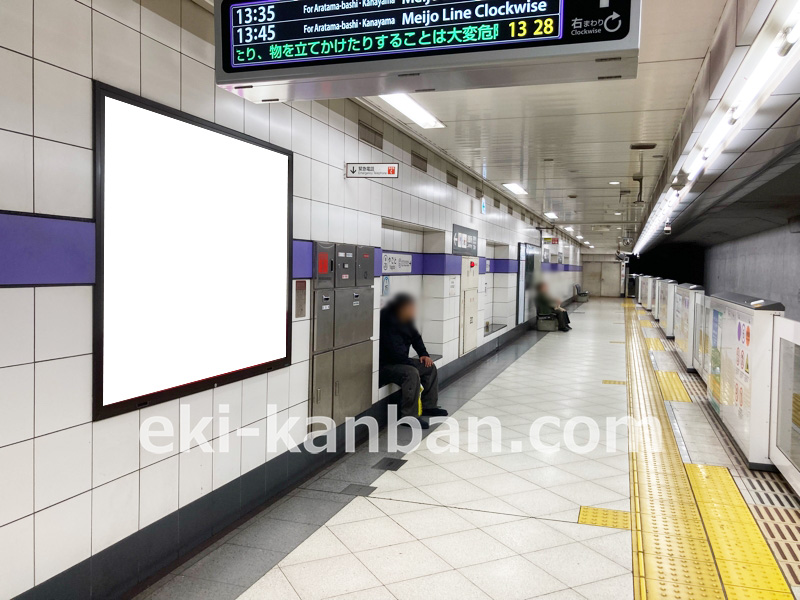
[372, 170]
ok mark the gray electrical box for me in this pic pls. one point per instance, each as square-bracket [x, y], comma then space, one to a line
[345, 265]
[352, 381]
[324, 311]
[322, 386]
[354, 313]
[365, 265]
[324, 264]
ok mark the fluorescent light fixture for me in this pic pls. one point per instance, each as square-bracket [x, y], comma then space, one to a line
[578, 237]
[587, 243]
[409, 107]
[618, 214]
[515, 188]
[551, 215]
[570, 229]
[591, 247]
[613, 183]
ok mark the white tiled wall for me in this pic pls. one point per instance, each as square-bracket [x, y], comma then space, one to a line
[72, 487]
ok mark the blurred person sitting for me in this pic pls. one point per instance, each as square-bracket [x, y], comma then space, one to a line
[417, 377]
[547, 305]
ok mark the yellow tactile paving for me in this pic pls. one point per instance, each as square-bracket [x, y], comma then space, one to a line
[604, 517]
[671, 386]
[612, 382]
[693, 535]
[655, 344]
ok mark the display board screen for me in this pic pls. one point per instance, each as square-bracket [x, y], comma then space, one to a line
[194, 233]
[278, 34]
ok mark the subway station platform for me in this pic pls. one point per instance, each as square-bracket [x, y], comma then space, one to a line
[627, 513]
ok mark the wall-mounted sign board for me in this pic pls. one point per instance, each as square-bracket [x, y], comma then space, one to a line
[313, 49]
[397, 263]
[371, 170]
[465, 241]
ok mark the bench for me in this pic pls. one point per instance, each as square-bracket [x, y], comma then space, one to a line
[390, 388]
[547, 322]
[580, 295]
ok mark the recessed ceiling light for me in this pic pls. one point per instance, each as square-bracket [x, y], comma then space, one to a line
[409, 107]
[613, 183]
[551, 215]
[591, 246]
[578, 237]
[618, 213]
[570, 229]
[619, 227]
[515, 188]
[587, 243]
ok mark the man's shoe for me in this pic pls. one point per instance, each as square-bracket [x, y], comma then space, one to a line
[422, 423]
[564, 329]
[434, 412]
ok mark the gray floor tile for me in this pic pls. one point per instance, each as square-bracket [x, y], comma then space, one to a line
[306, 510]
[273, 534]
[235, 565]
[189, 588]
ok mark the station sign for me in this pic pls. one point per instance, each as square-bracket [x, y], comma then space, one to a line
[371, 170]
[465, 241]
[283, 44]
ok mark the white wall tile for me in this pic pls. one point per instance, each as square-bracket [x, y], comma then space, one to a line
[254, 399]
[256, 120]
[299, 428]
[16, 323]
[319, 181]
[62, 536]
[16, 553]
[254, 445]
[197, 35]
[62, 35]
[195, 475]
[63, 104]
[16, 73]
[126, 12]
[319, 140]
[116, 54]
[280, 125]
[115, 448]
[63, 396]
[197, 88]
[161, 73]
[301, 340]
[229, 110]
[319, 221]
[158, 491]
[16, 26]
[196, 410]
[301, 133]
[62, 465]
[278, 395]
[115, 511]
[227, 459]
[16, 467]
[298, 383]
[16, 171]
[162, 421]
[227, 408]
[335, 223]
[63, 321]
[16, 404]
[301, 216]
[63, 180]
[161, 21]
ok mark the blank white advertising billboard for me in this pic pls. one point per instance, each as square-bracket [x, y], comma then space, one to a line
[193, 255]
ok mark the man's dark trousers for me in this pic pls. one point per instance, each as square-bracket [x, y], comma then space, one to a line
[409, 378]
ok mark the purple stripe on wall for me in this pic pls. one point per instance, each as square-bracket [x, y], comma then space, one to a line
[378, 262]
[557, 267]
[302, 259]
[45, 251]
[441, 264]
[481, 265]
[505, 265]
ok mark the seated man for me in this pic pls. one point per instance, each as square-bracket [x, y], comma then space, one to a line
[398, 334]
[547, 305]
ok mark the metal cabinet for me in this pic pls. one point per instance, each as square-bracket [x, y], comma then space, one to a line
[352, 381]
[345, 265]
[324, 263]
[353, 322]
[322, 385]
[323, 320]
[365, 265]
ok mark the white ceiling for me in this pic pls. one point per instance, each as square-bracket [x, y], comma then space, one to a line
[572, 139]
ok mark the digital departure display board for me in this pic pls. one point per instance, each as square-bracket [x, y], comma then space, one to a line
[284, 33]
[283, 41]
